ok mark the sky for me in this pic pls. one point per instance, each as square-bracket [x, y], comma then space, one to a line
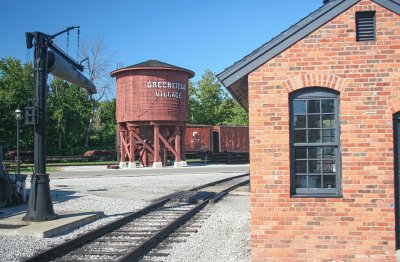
[193, 34]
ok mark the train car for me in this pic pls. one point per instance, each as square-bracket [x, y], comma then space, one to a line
[233, 139]
[217, 143]
[198, 139]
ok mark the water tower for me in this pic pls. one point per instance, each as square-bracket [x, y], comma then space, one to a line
[152, 111]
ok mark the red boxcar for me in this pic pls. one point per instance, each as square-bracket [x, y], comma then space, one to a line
[216, 139]
[230, 139]
[198, 139]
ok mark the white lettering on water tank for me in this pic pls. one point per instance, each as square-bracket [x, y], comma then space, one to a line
[162, 85]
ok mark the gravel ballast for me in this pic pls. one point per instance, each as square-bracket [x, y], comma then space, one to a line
[224, 236]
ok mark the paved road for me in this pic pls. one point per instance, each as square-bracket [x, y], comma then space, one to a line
[102, 171]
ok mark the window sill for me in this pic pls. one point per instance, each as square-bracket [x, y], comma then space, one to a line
[316, 196]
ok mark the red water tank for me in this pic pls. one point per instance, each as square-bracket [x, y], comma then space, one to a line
[152, 91]
[152, 111]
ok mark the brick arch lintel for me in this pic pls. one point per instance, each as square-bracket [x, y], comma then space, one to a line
[308, 80]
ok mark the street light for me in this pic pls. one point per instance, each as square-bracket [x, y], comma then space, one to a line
[18, 116]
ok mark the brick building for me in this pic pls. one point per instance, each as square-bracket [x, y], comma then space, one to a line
[324, 105]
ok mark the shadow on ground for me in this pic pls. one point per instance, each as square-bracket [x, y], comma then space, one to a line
[57, 195]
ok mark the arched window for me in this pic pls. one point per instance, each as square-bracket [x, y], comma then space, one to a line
[315, 143]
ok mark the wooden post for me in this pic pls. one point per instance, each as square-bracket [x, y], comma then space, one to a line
[157, 159]
[122, 163]
[132, 148]
[183, 152]
[178, 143]
[178, 147]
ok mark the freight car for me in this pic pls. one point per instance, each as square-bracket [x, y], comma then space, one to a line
[217, 143]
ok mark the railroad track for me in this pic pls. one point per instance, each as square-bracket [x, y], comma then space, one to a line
[136, 234]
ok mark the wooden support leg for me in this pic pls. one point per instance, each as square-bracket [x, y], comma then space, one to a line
[178, 147]
[183, 152]
[132, 148]
[122, 140]
[157, 159]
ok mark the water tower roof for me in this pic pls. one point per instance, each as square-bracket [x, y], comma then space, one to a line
[152, 64]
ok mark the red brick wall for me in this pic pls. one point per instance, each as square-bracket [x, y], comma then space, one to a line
[359, 226]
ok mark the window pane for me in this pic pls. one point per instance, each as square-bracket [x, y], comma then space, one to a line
[314, 106]
[300, 152]
[315, 152]
[328, 135]
[314, 136]
[328, 121]
[329, 166]
[329, 181]
[328, 106]
[300, 166]
[301, 181]
[300, 136]
[329, 152]
[314, 166]
[314, 181]
[299, 107]
[314, 121]
[300, 121]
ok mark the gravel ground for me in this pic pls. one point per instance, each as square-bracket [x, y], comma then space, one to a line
[116, 196]
[224, 236]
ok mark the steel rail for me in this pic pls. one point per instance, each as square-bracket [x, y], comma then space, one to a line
[201, 187]
[137, 253]
[63, 248]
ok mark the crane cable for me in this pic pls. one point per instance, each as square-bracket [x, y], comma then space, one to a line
[67, 41]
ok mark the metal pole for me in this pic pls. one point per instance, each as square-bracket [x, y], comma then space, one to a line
[40, 206]
[40, 99]
[18, 172]
[1, 160]
[17, 119]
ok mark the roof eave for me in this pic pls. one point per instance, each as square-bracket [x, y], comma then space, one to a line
[292, 36]
[283, 42]
[393, 5]
[125, 69]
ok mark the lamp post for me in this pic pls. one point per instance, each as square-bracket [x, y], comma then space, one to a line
[18, 116]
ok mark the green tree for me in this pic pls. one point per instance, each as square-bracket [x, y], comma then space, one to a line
[69, 110]
[238, 116]
[210, 104]
[104, 126]
[16, 91]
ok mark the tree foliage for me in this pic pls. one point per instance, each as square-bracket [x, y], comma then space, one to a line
[69, 109]
[105, 124]
[16, 82]
[210, 104]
